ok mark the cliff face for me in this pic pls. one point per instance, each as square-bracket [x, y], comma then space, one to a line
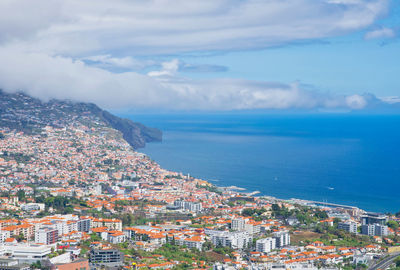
[136, 134]
[23, 113]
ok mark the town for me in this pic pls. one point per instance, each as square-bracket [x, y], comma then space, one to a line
[80, 197]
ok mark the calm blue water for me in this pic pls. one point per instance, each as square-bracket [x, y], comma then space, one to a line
[346, 159]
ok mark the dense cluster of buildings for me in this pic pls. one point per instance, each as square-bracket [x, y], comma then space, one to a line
[98, 168]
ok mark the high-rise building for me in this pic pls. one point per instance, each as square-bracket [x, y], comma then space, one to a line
[375, 230]
[109, 257]
[238, 224]
[84, 225]
[282, 238]
[349, 226]
[46, 235]
[373, 218]
[374, 224]
[381, 230]
[235, 240]
[266, 244]
[189, 206]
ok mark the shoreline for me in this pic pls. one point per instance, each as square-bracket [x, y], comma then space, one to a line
[241, 190]
[325, 190]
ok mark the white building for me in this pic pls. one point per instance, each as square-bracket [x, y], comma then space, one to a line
[240, 224]
[282, 238]
[26, 253]
[266, 244]
[189, 206]
[33, 207]
[252, 228]
[4, 235]
[63, 258]
[132, 184]
[62, 227]
[374, 230]
[116, 238]
[46, 235]
[192, 243]
[237, 224]
[72, 225]
[348, 226]
[118, 190]
[381, 230]
[219, 266]
[84, 225]
[235, 240]
[338, 214]
[97, 189]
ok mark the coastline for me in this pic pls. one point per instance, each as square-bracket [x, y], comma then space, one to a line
[321, 167]
[241, 191]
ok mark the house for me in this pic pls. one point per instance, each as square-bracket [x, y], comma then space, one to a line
[116, 237]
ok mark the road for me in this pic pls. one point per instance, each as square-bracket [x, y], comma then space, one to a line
[385, 262]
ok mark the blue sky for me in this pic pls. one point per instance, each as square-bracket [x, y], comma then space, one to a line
[344, 64]
[212, 55]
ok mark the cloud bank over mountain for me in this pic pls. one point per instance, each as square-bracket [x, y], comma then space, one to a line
[48, 77]
[72, 49]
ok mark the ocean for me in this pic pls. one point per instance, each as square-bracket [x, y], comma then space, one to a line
[345, 159]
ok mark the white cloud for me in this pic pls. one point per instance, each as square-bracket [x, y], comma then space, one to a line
[356, 101]
[92, 27]
[59, 77]
[380, 33]
[168, 69]
[391, 99]
[23, 19]
[45, 47]
[127, 63]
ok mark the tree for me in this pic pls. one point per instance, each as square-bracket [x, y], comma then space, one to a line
[68, 210]
[39, 199]
[71, 182]
[397, 261]
[21, 195]
[336, 222]
[127, 219]
[231, 204]
[393, 224]
[276, 208]
[247, 212]
[321, 214]
[20, 237]
[94, 237]
[207, 245]
[36, 265]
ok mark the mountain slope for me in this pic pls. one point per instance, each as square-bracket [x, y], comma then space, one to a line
[23, 113]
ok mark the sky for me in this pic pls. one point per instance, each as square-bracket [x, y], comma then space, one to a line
[211, 55]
